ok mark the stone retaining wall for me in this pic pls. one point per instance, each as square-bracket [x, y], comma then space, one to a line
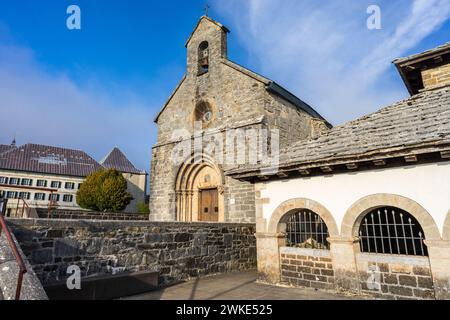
[307, 268]
[177, 251]
[92, 215]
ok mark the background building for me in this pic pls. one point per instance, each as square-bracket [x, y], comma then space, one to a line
[37, 174]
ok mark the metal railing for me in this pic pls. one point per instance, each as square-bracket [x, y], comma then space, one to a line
[12, 245]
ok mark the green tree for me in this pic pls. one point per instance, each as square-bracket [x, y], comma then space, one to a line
[104, 190]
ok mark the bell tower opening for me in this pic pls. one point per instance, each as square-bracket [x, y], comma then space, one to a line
[203, 58]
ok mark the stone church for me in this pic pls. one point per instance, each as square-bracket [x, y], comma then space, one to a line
[220, 95]
[362, 207]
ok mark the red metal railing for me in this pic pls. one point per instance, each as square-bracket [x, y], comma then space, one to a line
[17, 256]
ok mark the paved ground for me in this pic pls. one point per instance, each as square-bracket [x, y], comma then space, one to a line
[235, 286]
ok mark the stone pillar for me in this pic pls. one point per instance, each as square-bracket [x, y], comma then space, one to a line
[344, 264]
[268, 253]
[439, 254]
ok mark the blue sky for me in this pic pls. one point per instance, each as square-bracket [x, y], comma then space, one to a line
[101, 86]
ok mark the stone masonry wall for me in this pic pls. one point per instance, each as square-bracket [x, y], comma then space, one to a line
[405, 278]
[436, 76]
[91, 215]
[307, 268]
[177, 251]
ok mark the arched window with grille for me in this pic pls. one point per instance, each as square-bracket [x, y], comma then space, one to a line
[390, 230]
[306, 229]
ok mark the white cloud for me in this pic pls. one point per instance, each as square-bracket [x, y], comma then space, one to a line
[324, 52]
[40, 106]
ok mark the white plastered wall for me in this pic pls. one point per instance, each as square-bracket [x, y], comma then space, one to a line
[428, 185]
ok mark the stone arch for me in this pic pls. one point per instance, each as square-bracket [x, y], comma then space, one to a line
[302, 203]
[446, 235]
[355, 214]
[188, 186]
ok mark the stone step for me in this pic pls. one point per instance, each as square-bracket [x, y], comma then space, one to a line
[106, 287]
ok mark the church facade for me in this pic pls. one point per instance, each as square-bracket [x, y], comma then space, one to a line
[214, 98]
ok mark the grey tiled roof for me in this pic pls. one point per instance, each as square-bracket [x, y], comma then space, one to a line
[422, 120]
[117, 160]
[444, 47]
[48, 160]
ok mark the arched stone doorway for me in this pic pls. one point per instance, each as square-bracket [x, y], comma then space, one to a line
[199, 191]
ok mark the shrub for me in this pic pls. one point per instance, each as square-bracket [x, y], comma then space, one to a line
[104, 190]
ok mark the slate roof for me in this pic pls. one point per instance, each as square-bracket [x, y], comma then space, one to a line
[117, 160]
[49, 160]
[422, 121]
[425, 54]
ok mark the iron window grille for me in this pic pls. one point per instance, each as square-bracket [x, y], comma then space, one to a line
[306, 229]
[391, 230]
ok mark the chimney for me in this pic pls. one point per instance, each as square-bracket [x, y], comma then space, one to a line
[427, 70]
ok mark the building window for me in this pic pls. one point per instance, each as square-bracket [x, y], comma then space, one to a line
[14, 181]
[68, 198]
[41, 183]
[391, 230]
[54, 197]
[39, 196]
[69, 185]
[24, 195]
[11, 195]
[3, 180]
[79, 185]
[2, 194]
[306, 229]
[203, 58]
[55, 184]
[27, 182]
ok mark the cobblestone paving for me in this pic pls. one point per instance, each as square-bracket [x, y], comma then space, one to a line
[235, 286]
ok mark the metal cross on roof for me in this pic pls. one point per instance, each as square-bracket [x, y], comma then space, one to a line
[206, 9]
